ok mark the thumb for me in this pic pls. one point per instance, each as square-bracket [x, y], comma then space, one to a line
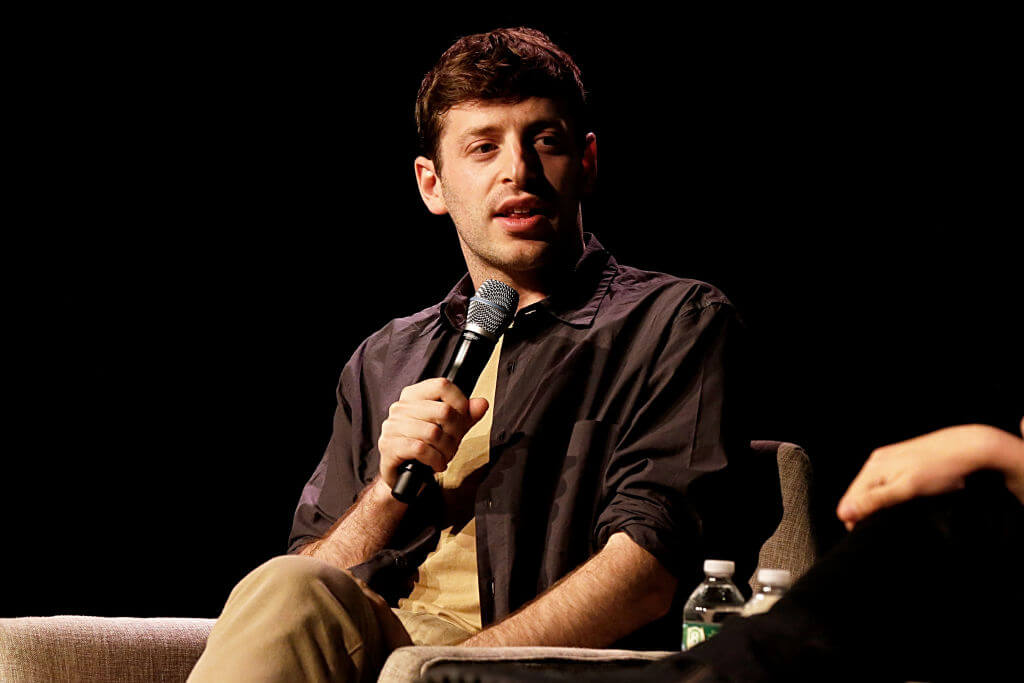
[477, 409]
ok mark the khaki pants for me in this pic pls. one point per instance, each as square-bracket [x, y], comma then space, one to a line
[295, 618]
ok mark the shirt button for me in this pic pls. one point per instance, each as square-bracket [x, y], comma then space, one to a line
[501, 435]
[490, 503]
[490, 587]
[511, 366]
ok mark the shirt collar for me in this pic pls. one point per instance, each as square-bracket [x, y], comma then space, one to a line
[574, 302]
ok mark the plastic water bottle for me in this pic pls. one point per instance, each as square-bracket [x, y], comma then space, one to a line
[774, 584]
[716, 599]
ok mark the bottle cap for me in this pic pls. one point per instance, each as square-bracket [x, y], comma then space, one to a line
[719, 567]
[774, 577]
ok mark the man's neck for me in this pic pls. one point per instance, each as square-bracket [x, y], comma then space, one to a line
[532, 285]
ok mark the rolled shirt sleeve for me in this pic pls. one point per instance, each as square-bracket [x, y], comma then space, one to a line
[348, 463]
[687, 424]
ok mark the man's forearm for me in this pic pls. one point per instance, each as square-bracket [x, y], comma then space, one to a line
[615, 592]
[362, 531]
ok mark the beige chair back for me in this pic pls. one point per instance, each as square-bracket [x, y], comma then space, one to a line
[792, 546]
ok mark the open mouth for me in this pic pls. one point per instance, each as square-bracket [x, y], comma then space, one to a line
[521, 213]
[522, 221]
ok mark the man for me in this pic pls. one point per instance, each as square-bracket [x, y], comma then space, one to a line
[577, 487]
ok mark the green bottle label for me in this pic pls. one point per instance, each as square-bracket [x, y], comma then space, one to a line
[695, 632]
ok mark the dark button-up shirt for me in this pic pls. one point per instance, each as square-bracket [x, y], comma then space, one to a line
[614, 403]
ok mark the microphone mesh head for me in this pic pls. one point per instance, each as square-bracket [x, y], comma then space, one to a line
[493, 306]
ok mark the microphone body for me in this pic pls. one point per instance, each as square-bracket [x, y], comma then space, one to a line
[471, 356]
[490, 312]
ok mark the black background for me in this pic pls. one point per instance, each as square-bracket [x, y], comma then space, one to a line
[210, 212]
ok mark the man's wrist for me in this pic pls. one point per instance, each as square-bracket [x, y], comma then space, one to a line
[380, 495]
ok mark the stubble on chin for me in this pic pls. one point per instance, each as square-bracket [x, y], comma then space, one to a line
[508, 258]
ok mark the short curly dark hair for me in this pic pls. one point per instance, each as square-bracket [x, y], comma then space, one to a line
[507, 64]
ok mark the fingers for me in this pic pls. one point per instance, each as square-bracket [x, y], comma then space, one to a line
[477, 409]
[869, 497]
[435, 423]
[427, 423]
[400, 449]
[437, 389]
[863, 497]
[441, 439]
[852, 505]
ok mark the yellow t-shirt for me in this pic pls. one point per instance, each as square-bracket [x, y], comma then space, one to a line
[447, 583]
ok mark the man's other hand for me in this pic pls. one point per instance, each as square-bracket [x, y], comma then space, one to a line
[932, 464]
[427, 423]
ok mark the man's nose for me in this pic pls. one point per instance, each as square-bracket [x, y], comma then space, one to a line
[519, 165]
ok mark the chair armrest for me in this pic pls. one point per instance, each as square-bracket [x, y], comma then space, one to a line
[76, 648]
[411, 663]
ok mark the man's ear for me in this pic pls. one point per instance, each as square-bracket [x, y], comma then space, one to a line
[430, 186]
[589, 163]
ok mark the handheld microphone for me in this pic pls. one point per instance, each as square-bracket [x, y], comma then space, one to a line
[490, 311]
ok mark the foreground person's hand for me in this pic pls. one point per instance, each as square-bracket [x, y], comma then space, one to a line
[932, 464]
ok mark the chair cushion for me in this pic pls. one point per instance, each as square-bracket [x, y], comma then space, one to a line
[75, 648]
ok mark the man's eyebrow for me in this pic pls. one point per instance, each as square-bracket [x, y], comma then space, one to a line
[560, 124]
[479, 131]
[492, 129]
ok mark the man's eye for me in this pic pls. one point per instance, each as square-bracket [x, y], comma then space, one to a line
[549, 142]
[484, 148]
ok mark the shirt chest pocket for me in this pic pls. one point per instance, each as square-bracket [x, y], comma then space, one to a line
[569, 524]
[582, 482]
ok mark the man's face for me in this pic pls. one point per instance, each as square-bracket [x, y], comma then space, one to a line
[511, 178]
